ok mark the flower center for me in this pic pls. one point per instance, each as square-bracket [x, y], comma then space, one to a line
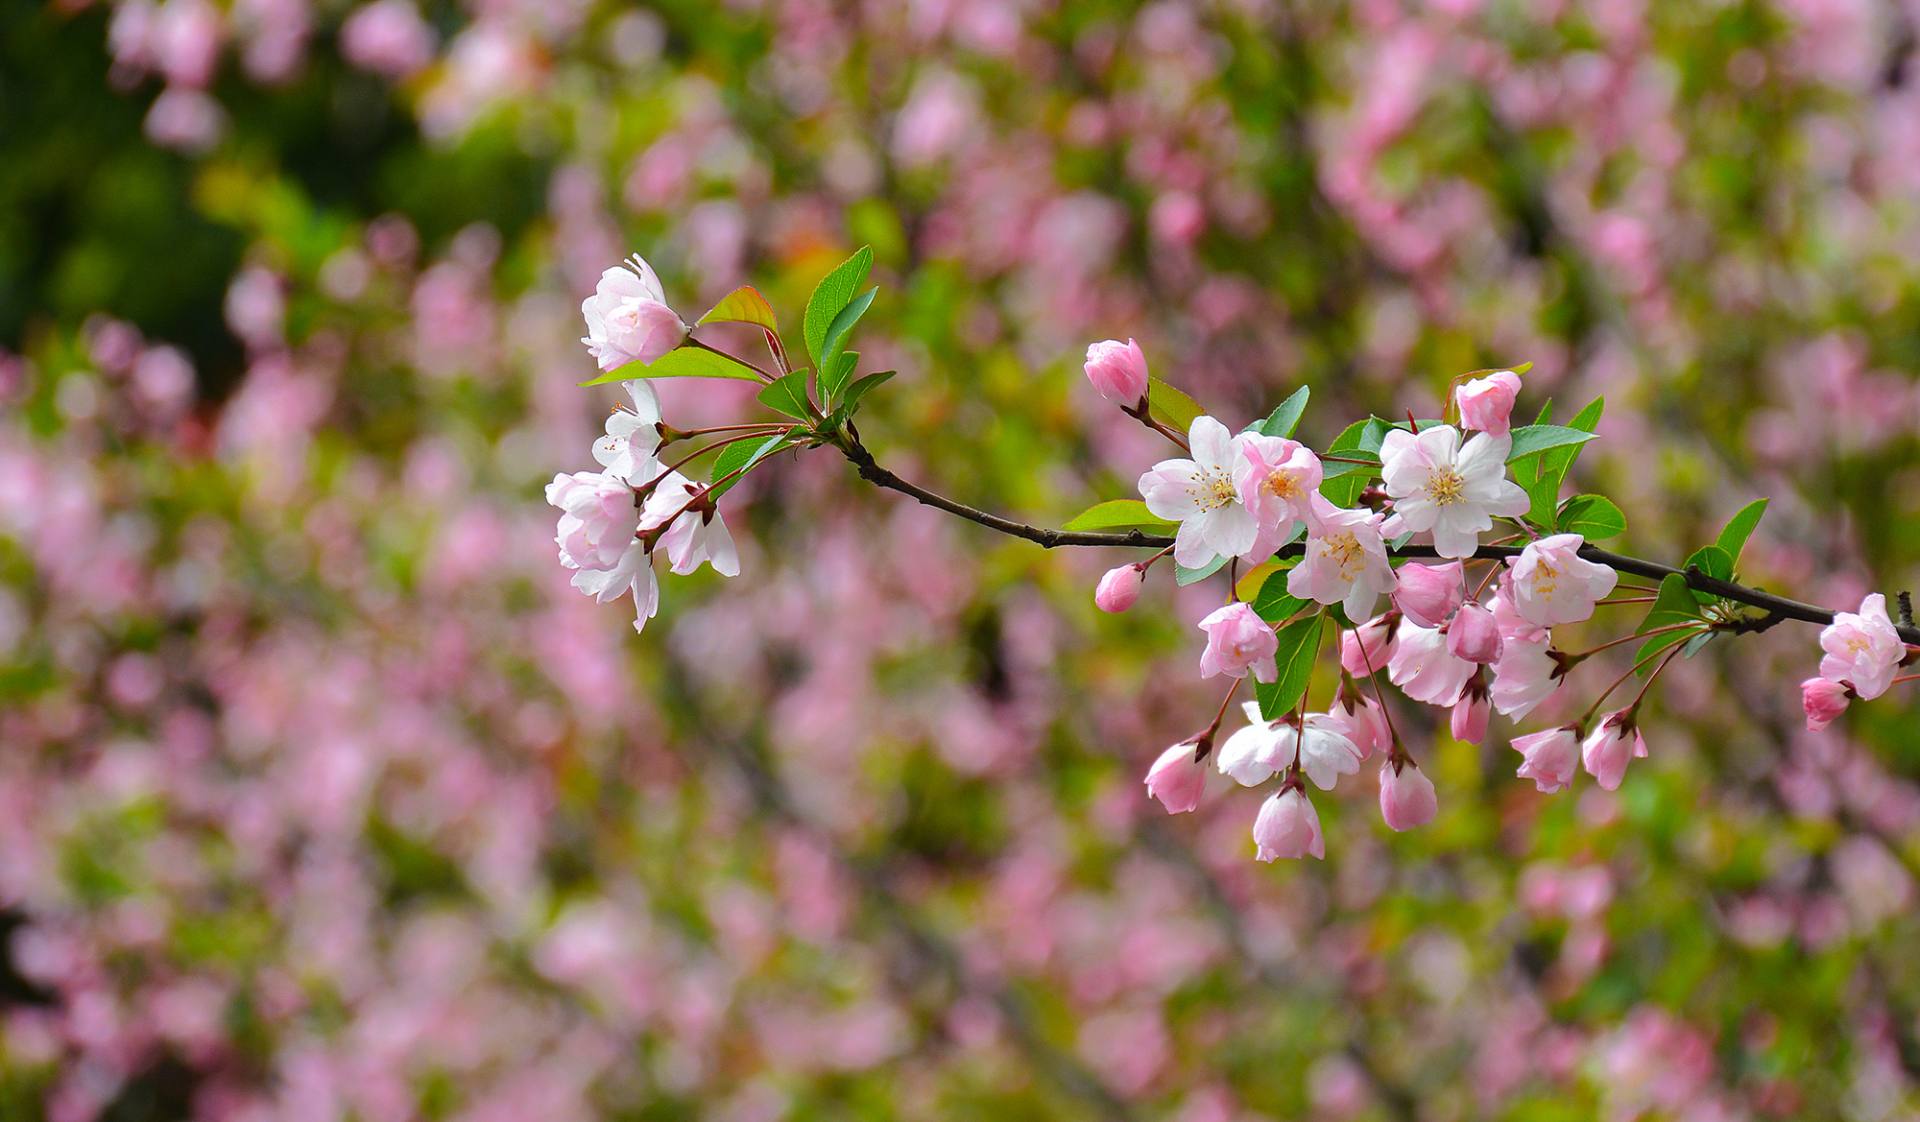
[1213, 488]
[1282, 486]
[1344, 550]
[1445, 487]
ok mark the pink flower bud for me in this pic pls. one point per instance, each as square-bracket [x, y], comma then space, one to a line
[1288, 826]
[1824, 701]
[1406, 795]
[1119, 371]
[1119, 588]
[1238, 640]
[1361, 721]
[1177, 779]
[1609, 747]
[1368, 648]
[1548, 758]
[1428, 594]
[1487, 403]
[1474, 635]
[1471, 712]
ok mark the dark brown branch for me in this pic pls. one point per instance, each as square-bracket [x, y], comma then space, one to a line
[1777, 607]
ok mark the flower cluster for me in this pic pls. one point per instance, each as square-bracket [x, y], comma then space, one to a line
[1862, 652]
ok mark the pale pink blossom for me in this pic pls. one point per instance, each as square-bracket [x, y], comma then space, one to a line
[1550, 583]
[1238, 641]
[1863, 649]
[1548, 758]
[1824, 701]
[1452, 491]
[1288, 826]
[387, 37]
[1474, 634]
[1525, 675]
[1325, 751]
[1177, 778]
[1470, 715]
[1406, 795]
[1119, 588]
[1512, 624]
[1345, 560]
[628, 319]
[1361, 720]
[1429, 594]
[597, 521]
[1487, 403]
[1280, 484]
[632, 437]
[692, 535]
[1423, 667]
[1119, 371]
[1201, 494]
[1252, 754]
[1369, 647]
[1608, 748]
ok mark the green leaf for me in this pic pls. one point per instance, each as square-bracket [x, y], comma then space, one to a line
[1299, 646]
[1273, 602]
[1698, 643]
[861, 388]
[1118, 514]
[1531, 440]
[1542, 475]
[837, 334]
[788, 394]
[682, 362]
[1342, 483]
[1250, 582]
[834, 376]
[830, 297]
[1673, 604]
[1591, 516]
[741, 457]
[1714, 562]
[1171, 407]
[1286, 416]
[1733, 537]
[743, 305]
[1184, 575]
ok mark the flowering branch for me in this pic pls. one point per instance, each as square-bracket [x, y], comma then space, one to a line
[1310, 540]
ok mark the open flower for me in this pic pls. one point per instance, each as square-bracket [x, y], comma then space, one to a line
[597, 519]
[1203, 496]
[633, 574]
[1550, 583]
[1238, 640]
[632, 437]
[1863, 649]
[1288, 826]
[694, 535]
[1279, 483]
[627, 317]
[1424, 668]
[1345, 560]
[1177, 779]
[1549, 758]
[1451, 491]
[1251, 755]
[1525, 675]
[1608, 748]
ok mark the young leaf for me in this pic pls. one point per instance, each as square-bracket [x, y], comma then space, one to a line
[1673, 604]
[1286, 416]
[1591, 516]
[1733, 538]
[788, 395]
[860, 388]
[1530, 440]
[682, 362]
[1117, 514]
[831, 296]
[1299, 645]
[741, 457]
[1171, 407]
[842, 326]
[834, 376]
[743, 305]
[1714, 562]
[1184, 575]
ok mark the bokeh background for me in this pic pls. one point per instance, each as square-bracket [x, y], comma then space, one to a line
[322, 796]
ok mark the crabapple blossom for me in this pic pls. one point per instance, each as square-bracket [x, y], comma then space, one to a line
[1824, 701]
[1406, 795]
[1424, 668]
[1119, 588]
[1608, 748]
[1470, 715]
[628, 319]
[1203, 496]
[1345, 561]
[1119, 371]
[1550, 583]
[1512, 624]
[691, 535]
[1288, 826]
[1370, 646]
[597, 520]
[1251, 755]
[1474, 634]
[634, 574]
[1548, 758]
[632, 437]
[1238, 640]
[1280, 484]
[1863, 649]
[1487, 403]
[1361, 721]
[1428, 594]
[1177, 778]
[1525, 675]
[1452, 491]
[1325, 751]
